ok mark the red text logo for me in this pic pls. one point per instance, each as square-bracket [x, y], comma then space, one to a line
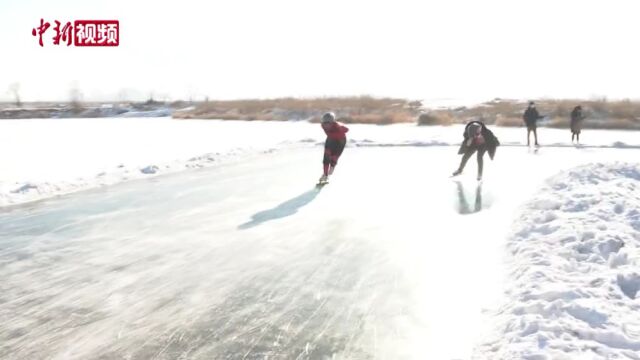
[81, 32]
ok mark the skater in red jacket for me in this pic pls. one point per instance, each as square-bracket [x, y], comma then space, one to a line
[334, 145]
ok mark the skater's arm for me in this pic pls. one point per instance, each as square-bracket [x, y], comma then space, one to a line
[330, 129]
[335, 129]
[537, 115]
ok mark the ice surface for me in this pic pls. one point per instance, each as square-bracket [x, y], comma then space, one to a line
[249, 260]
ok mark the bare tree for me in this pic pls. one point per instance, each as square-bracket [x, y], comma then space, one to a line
[14, 90]
[75, 96]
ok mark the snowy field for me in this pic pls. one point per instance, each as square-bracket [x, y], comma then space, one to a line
[247, 260]
[574, 260]
[42, 158]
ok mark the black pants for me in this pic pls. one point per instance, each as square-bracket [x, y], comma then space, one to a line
[332, 151]
[532, 129]
[465, 157]
[575, 133]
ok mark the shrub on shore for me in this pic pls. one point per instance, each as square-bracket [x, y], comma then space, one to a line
[601, 113]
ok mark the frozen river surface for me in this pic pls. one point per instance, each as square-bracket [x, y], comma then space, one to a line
[251, 261]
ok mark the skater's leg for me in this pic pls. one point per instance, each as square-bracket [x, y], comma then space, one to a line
[333, 164]
[578, 138]
[573, 135]
[326, 161]
[529, 136]
[535, 135]
[335, 155]
[463, 162]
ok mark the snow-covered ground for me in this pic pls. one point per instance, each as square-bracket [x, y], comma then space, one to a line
[41, 158]
[574, 260]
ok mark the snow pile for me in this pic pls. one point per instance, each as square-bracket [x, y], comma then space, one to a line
[63, 182]
[574, 259]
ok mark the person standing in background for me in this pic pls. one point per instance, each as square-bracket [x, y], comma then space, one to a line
[577, 118]
[531, 117]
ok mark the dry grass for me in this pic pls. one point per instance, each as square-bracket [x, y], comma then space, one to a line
[439, 117]
[601, 114]
[508, 121]
[361, 109]
[360, 103]
[383, 118]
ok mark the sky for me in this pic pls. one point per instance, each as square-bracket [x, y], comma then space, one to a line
[230, 49]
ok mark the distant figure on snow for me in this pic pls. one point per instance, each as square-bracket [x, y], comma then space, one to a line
[576, 123]
[477, 137]
[531, 117]
[334, 145]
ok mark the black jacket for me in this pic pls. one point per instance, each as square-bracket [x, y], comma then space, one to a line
[491, 141]
[531, 116]
[576, 119]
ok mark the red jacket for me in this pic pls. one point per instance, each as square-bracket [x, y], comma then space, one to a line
[335, 130]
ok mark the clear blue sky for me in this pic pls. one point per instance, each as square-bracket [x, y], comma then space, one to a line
[415, 49]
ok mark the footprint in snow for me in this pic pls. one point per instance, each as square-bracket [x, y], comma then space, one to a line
[629, 284]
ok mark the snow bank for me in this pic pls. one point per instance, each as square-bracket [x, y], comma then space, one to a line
[574, 277]
[40, 158]
[147, 113]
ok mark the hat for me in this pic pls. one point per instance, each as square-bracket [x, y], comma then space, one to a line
[328, 117]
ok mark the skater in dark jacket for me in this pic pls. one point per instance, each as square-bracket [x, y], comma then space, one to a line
[334, 145]
[477, 137]
[531, 117]
[576, 123]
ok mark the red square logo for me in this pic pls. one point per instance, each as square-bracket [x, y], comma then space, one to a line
[96, 32]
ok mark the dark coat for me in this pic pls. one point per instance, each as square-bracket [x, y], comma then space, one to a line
[576, 120]
[531, 116]
[490, 140]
